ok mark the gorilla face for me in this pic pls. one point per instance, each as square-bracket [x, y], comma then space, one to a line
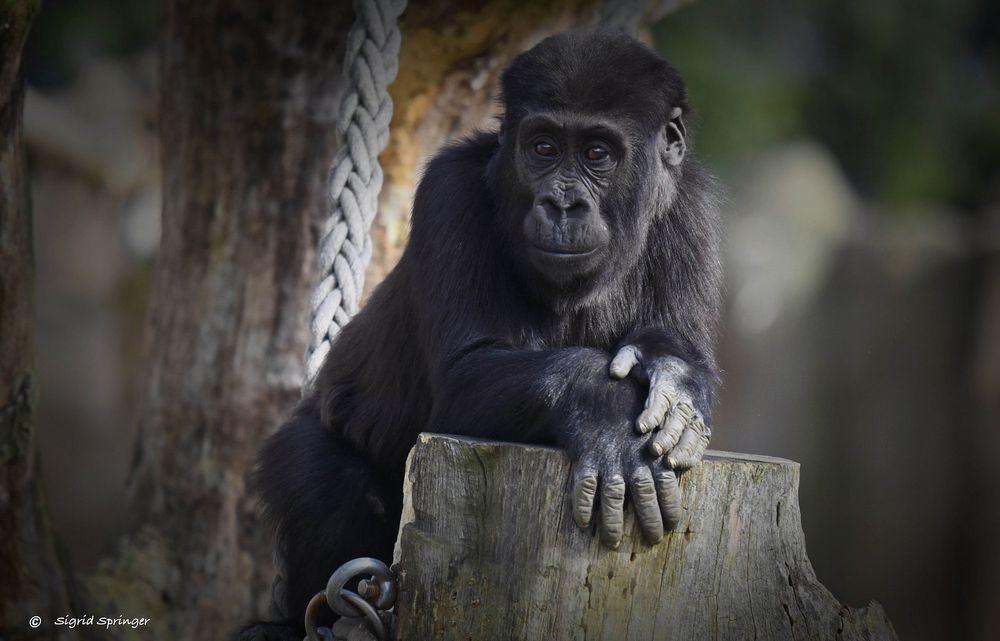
[592, 144]
[588, 189]
[567, 165]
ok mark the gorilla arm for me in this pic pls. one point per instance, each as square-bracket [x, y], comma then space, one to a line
[565, 396]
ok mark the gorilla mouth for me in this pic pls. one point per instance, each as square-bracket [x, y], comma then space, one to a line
[564, 251]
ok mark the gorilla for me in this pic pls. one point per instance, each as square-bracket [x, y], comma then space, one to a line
[561, 286]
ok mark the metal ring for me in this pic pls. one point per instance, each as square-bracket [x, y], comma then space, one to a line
[363, 566]
[367, 609]
[312, 610]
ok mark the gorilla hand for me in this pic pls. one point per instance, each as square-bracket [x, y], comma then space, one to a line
[610, 462]
[680, 429]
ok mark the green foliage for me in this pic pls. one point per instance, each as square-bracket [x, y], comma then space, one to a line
[66, 30]
[903, 93]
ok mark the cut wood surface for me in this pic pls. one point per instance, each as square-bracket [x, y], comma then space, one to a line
[488, 549]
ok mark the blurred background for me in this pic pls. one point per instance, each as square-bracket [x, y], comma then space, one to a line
[860, 140]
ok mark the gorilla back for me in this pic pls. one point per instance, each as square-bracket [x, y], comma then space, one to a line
[560, 286]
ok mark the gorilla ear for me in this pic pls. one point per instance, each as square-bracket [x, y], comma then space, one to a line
[674, 134]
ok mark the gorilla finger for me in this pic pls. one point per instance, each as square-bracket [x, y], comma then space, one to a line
[623, 362]
[612, 518]
[668, 493]
[584, 493]
[659, 401]
[691, 447]
[647, 508]
[667, 437]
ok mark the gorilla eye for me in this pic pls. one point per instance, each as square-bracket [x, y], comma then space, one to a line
[596, 152]
[545, 149]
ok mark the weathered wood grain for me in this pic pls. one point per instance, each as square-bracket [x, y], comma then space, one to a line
[32, 573]
[488, 549]
[246, 123]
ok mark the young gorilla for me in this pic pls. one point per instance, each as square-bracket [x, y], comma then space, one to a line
[546, 263]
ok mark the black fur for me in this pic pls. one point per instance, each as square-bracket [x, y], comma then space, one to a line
[467, 335]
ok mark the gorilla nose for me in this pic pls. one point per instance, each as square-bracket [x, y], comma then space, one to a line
[570, 207]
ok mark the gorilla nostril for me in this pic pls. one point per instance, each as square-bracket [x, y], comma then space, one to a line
[553, 211]
[578, 209]
[561, 209]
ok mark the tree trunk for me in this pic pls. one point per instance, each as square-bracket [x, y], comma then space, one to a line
[488, 549]
[32, 581]
[249, 92]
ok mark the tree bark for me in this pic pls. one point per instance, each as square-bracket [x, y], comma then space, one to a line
[249, 92]
[488, 549]
[33, 579]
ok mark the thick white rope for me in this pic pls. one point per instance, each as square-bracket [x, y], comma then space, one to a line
[371, 61]
[370, 65]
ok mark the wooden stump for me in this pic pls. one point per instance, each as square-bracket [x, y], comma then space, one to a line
[488, 550]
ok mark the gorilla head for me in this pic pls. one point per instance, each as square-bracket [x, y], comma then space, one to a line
[592, 144]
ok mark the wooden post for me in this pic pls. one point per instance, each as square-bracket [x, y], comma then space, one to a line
[488, 549]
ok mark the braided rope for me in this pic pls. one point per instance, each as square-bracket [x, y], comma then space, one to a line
[355, 180]
[371, 62]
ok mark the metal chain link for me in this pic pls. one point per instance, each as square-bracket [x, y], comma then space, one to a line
[375, 594]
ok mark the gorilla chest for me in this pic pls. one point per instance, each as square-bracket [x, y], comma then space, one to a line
[579, 328]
